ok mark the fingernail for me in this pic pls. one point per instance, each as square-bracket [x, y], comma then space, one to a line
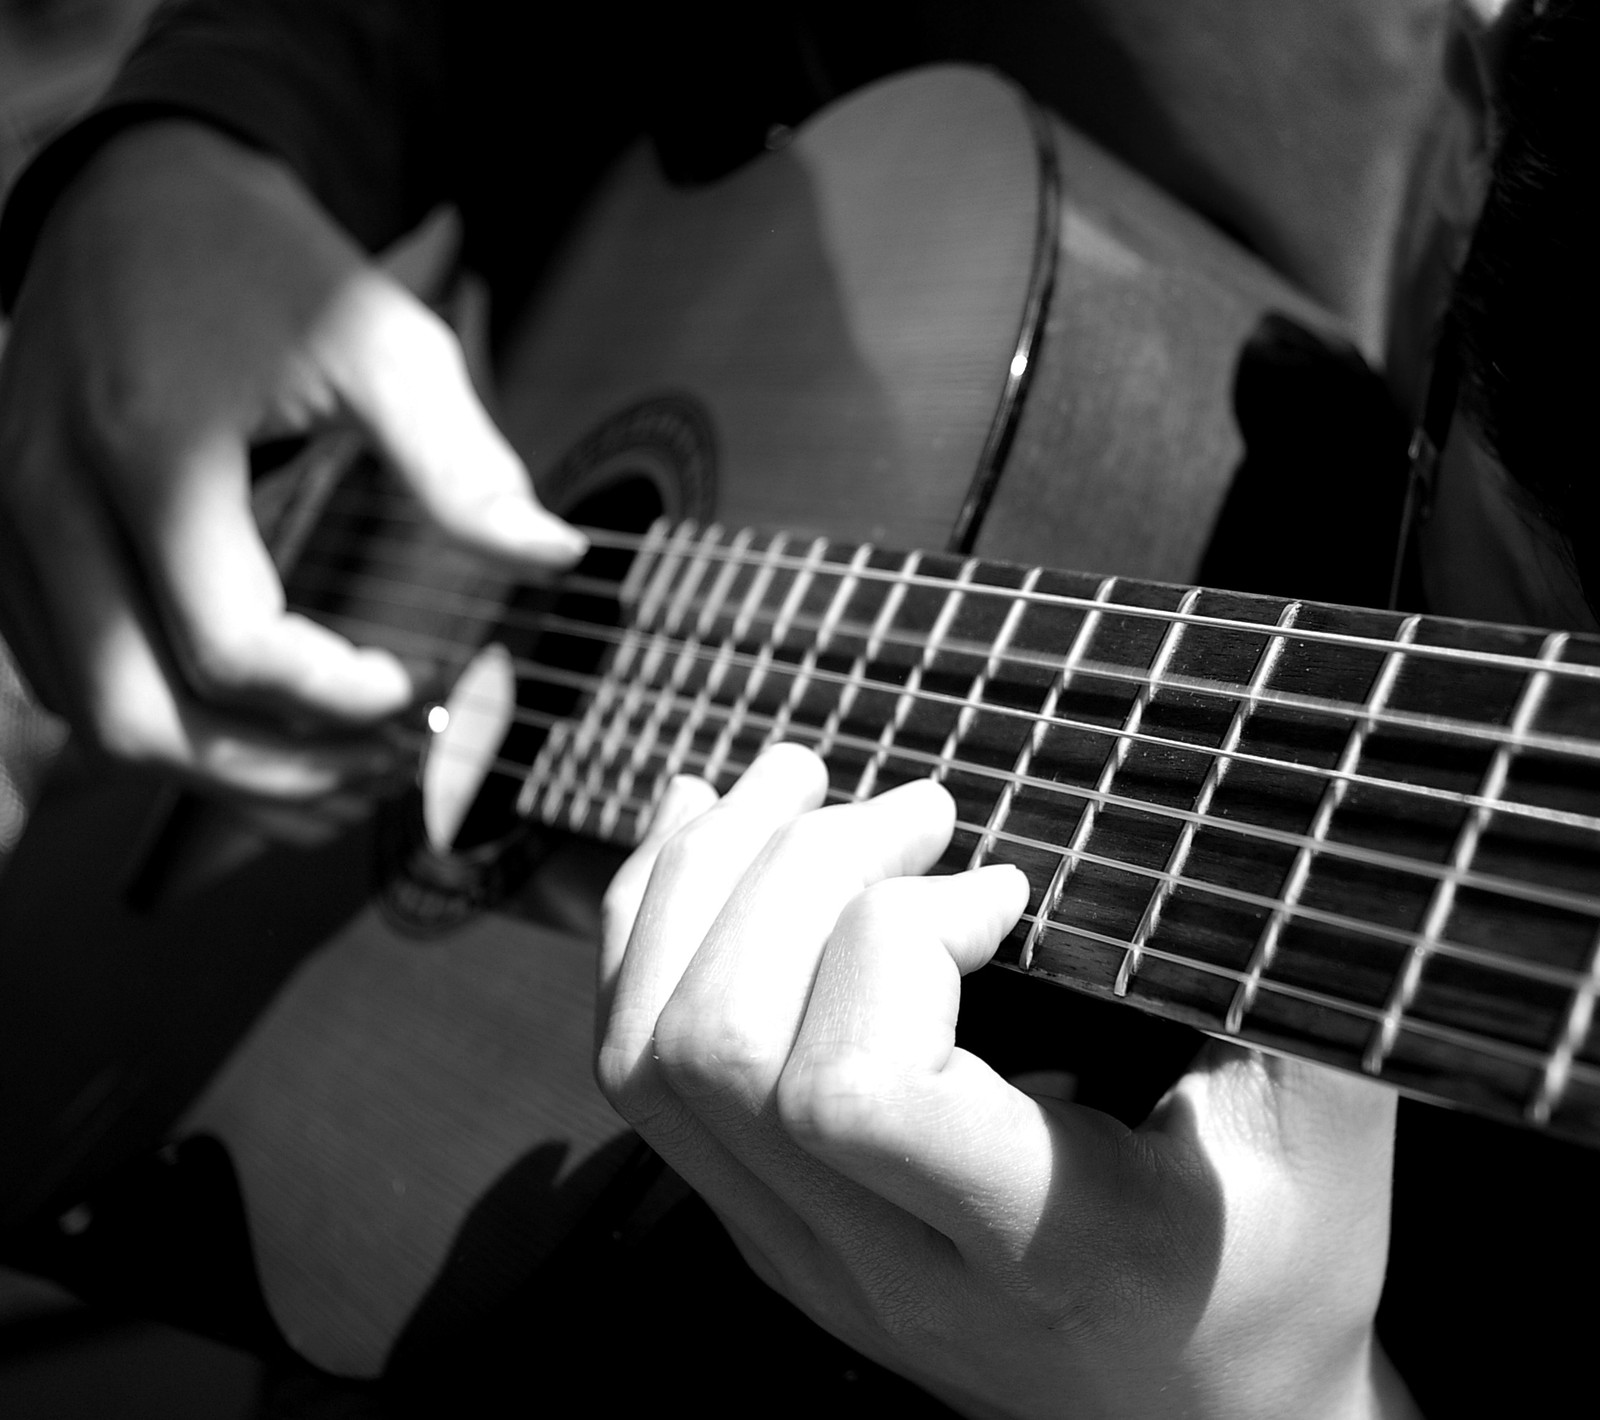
[517, 519]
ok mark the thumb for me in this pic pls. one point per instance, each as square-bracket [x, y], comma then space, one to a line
[400, 370]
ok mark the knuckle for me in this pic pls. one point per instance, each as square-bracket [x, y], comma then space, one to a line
[834, 1105]
[705, 1058]
[707, 837]
[125, 415]
[117, 728]
[428, 336]
[626, 1085]
[813, 837]
[882, 907]
[222, 661]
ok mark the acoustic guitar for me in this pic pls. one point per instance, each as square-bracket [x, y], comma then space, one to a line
[931, 318]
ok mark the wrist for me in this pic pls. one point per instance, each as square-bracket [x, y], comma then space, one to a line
[66, 165]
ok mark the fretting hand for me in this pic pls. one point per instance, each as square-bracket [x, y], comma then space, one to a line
[186, 296]
[778, 1003]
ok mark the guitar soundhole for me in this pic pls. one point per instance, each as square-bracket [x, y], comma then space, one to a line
[457, 844]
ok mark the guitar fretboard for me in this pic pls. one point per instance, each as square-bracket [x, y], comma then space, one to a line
[1355, 836]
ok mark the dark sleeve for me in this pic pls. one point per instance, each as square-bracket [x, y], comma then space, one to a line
[353, 94]
[386, 107]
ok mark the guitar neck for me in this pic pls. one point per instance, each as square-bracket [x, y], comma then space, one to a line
[1353, 836]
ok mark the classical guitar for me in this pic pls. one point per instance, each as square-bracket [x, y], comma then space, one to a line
[1356, 836]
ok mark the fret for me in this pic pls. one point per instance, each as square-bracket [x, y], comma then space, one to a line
[645, 593]
[1077, 845]
[1271, 651]
[1574, 1030]
[642, 683]
[648, 560]
[1119, 754]
[1030, 746]
[974, 701]
[688, 656]
[801, 681]
[722, 658]
[1333, 795]
[858, 668]
[1444, 892]
[1051, 897]
[766, 570]
[908, 694]
[788, 609]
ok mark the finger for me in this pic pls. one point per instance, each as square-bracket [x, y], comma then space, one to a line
[876, 1089]
[117, 686]
[693, 875]
[693, 856]
[685, 799]
[725, 1034]
[222, 601]
[889, 984]
[401, 371]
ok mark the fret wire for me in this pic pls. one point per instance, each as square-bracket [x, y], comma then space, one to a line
[633, 583]
[637, 686]
[1333, 795]
[806, 671]
[1423, 650]
[623, 693]
[1585, 750]
[650, 590]
[908, 694]
[787, 611]
[721, 659]
[974, 703]
[1463, 1039]
[1444, 893]
[689, 652]
[606, 537]
[1505, 1050]
[1511, 966]
[869, 651]
[644, 740]
[1119, 755]
[968, 714]
[1505, 887]
[749, 609]
[1266, 662]
[1081, 640]
[1574, 1030]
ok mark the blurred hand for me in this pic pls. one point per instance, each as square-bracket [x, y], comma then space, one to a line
[187, 296]
[778, 1003]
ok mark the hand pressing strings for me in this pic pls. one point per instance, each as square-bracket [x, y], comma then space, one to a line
[778, 997]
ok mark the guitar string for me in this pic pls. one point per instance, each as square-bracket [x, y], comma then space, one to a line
[1516, 967]
[1574, 748]
[1582, 903]
[1460, 1037]
[407, 598]
[655, 541]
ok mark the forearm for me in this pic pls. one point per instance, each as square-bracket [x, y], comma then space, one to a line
[349, 93]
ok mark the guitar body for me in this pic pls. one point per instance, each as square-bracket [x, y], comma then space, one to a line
[828, 342]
